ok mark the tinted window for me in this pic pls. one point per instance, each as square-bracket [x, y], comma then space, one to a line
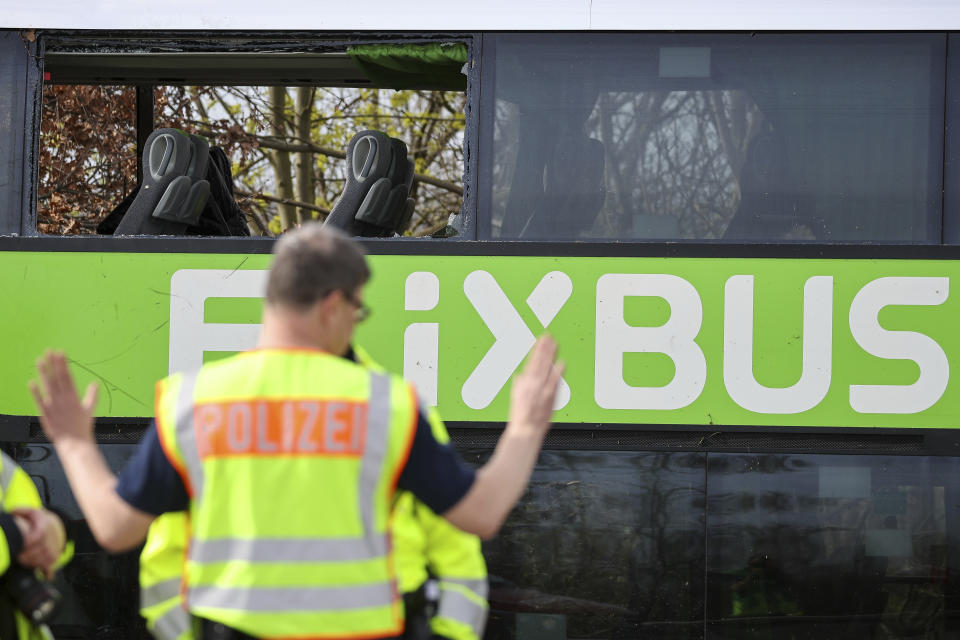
[820, 546]
[603, 545]
[612, 545]
[951, 204]
[821, 138]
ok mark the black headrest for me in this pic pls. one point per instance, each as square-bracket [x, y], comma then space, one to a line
[374, 197]
[174, 189]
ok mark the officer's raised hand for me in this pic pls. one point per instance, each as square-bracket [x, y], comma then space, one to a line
[63, 415]
[535, 389]
[68, 422]
[500, 482]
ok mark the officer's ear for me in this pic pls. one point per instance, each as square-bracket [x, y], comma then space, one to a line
[327, 306]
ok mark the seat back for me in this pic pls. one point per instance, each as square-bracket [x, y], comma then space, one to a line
[219, 216]
[375, 201]
[174, 189]
[400, 206]
[222, 216]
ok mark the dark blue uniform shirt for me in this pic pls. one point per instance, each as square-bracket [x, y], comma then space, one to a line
[433, 472]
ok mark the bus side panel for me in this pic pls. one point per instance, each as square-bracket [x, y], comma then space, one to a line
[14, 52]
[833, 343]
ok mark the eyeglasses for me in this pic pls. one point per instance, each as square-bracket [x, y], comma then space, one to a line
[362, 311]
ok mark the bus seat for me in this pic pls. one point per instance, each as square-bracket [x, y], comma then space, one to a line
[573, 190]
[403, 185]
[221, 216]
[174, 189]
[375, 200]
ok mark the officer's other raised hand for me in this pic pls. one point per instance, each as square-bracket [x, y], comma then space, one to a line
[535, 389]
[68, 422]
[63, 415]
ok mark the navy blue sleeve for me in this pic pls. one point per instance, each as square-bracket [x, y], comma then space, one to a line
[149, 482]
[434, 472]
[12, 533]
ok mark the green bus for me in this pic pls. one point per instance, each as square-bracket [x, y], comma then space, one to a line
[740, 226]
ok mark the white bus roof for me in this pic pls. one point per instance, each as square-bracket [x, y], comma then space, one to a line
[486, 15]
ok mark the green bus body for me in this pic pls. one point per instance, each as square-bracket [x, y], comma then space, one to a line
[116, 315]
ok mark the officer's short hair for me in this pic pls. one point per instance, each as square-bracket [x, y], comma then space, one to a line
[312, 262]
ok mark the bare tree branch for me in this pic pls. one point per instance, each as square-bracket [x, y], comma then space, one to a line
[286, 201]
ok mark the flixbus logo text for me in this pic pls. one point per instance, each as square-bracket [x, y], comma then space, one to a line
[695, 341]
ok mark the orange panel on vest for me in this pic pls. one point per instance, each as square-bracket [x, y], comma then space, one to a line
[280, 427]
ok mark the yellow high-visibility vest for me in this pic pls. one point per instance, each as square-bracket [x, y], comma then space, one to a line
[426, 544]
[290, 458]
[161, 569]
[18, 491]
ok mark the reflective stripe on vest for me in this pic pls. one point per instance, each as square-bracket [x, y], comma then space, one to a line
[293, 598]
[172, 625]
[185, 434]
[289, 549]
[160, 592]
[6, 472]
[456, 605]
[267, 551]
[478, 587]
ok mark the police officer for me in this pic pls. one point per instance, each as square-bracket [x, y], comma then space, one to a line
[425, 545]
[287, 458]
[441, 574]
[32, 538]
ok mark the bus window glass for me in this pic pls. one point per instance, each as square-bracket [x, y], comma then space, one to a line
[819, 138]
[828, 546]
[282, 147]
[603, 545]
[951, 169]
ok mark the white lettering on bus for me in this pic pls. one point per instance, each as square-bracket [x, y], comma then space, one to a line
[421, 340]
[191, 336]
[513, 339]
[675, 339]
[899, 345]
[738, 349]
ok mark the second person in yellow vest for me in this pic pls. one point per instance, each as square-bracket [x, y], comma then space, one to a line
[161, 572]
